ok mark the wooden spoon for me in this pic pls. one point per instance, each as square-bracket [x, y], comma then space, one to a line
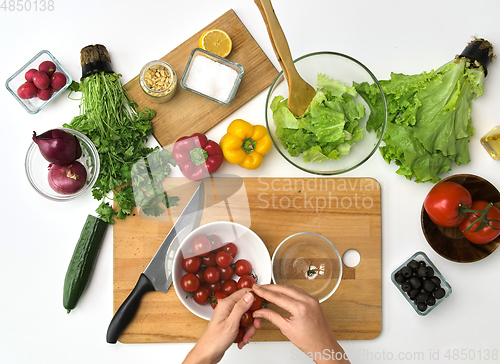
[300, 92]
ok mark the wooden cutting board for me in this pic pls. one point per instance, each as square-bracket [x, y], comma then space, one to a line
[187, 113]
[344, 210]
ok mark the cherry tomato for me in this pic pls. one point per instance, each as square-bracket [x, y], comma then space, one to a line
[226, 273]
[215, 287]
[229, 287]
[201, 276]
[209, 260]
[200, 245]
[223, 259]
[246, 281]
[216, 297]
[216, 242]
[189, 282]
[231, 249]
[211, 275]
[243, 267]
[191, 264]
[487, 233]
[246, 319]
[443, 202]
[257, 304]
[200, 296]
[241, 333]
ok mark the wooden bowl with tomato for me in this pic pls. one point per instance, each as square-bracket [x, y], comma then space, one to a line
[450, 242]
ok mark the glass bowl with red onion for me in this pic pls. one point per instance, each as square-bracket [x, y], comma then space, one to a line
[62, 164]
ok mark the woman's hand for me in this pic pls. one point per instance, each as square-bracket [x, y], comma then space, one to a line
[307, 327]
[223, 328]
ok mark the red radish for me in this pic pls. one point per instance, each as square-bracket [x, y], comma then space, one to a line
[29, 75]
[67, 179]
[48, 67]
[46, 94]
[41, 80]
[27, 91]
[57, 81]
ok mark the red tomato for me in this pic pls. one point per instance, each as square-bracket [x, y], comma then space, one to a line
[201, 276]
[200, 296]
[229, 287]
[246, 281]
[215, 287]
[216, 241]
[231, 249]
[200, 245]
[443, 202]
[223, 259]
[243, 267]
[191, 264]
[226, 273]
[212, 275]
[257, 304]
[189, 282]
[241, 333]
[246, 319]
[489, 232]
[217, 296]
[209, 260]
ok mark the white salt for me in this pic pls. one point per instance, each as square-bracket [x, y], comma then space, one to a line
[211, 78]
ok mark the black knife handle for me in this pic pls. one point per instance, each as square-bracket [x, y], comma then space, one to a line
[128, 309]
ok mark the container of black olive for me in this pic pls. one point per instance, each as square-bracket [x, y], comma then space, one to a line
[421, 283]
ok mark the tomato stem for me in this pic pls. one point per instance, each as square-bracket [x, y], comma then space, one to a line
[482, 218]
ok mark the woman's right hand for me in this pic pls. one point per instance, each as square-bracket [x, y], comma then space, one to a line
[307, 327]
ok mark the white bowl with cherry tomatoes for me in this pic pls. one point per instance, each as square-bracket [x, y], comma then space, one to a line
[214, 261]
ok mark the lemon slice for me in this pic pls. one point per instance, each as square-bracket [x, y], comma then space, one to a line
[216, 41]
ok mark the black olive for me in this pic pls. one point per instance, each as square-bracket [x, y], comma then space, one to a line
[430, 272]
[439, 293]
[431, 301]
[398, 277]
[406, 271]
[406, 287]
[422, 297]
[413, 294]
[428, 285]
[413, 265]
[422, 306]
[415, 282]
[436, 281]
[422, 271]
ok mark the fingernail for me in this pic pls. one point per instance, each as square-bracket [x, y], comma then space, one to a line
[256, 285]
[248, 297]
[257, 315]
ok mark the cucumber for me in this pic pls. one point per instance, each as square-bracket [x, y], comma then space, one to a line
[83, 261]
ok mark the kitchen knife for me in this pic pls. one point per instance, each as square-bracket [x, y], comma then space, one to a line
[156, 277]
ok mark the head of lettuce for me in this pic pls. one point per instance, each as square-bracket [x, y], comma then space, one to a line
[428, 115]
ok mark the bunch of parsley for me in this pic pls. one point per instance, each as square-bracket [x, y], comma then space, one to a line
[119, 131]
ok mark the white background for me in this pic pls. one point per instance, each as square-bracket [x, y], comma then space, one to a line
[39, 235]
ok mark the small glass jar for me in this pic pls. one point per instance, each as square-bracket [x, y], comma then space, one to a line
[159, 81]
[491, 142]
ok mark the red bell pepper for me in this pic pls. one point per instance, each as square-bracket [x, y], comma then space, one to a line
[197, 156]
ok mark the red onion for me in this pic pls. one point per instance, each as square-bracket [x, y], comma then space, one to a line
[67, 179]
[58, 146]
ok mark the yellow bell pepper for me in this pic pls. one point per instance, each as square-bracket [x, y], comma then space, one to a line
[245, 144]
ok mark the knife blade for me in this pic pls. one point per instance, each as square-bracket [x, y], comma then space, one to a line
[155, 277]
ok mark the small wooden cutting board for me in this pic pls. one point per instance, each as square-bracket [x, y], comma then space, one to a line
[344, 210]
[187, 113]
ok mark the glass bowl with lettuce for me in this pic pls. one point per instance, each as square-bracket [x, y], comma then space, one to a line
[335, 135]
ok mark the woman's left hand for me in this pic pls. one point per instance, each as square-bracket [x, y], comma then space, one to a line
[224, 326]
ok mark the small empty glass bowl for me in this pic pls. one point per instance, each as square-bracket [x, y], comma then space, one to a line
[212, 77]
[308, 261]
[347, 70]
[37, 168]
[34, 105]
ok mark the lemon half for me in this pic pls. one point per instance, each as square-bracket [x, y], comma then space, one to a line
[216, 41]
